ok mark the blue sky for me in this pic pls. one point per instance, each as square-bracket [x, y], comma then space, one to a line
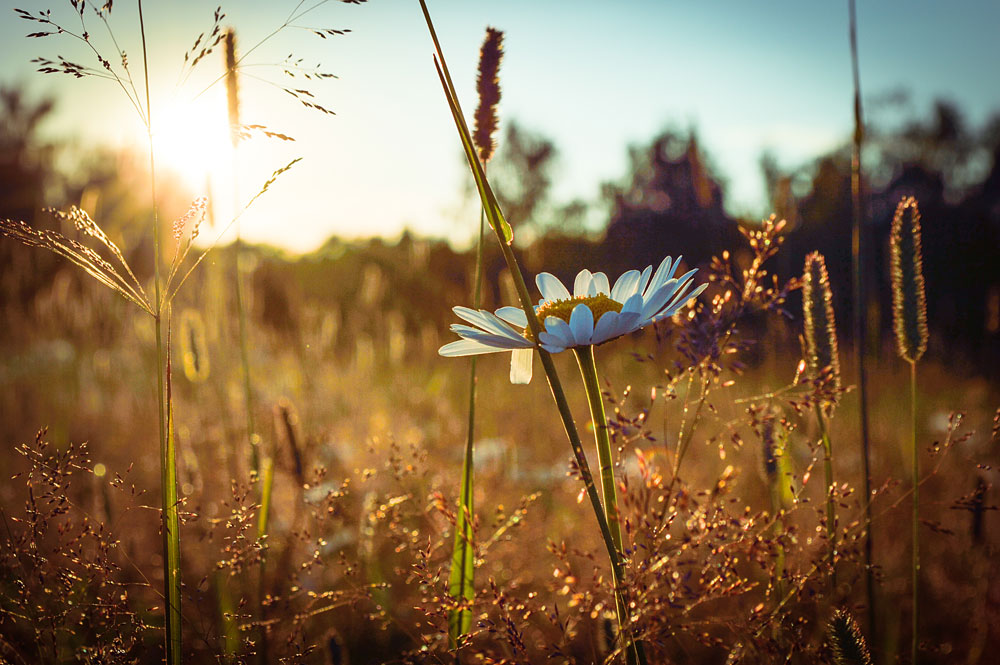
[594, 76]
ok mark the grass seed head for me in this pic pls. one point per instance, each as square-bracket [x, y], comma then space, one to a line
[849, 647]
[488, 87]
[232, 86]
[909, 302]
[820, 324]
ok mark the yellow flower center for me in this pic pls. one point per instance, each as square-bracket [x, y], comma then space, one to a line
[563, 309]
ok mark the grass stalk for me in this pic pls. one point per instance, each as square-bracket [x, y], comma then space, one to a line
[168, 465]
[909, 314]
[588, 370]
[504, 237]
[915, 564]
[831, 513]
[859, 316]
[461, 580]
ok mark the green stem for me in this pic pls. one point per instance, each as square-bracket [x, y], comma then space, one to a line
[916, 510]
[588, 369]
[777, 507]
[831, 514]
[244, 344]
[461, 578]
[168, 467]
[860, 322]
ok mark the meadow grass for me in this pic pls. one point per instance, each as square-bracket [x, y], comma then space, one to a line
[351, 542]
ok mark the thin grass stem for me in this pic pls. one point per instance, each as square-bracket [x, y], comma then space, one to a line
[831, 513]
[915, 564]
[168, 467]
[860, 323]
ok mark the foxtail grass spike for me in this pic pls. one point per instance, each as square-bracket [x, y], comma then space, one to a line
[849, 647]
[488, 87]
[820, 325]
[232, 86]
[909, 303]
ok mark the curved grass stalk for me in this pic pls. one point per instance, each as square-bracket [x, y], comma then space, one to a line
[504, 235]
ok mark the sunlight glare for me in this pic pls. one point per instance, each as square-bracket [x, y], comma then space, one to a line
[191, 139]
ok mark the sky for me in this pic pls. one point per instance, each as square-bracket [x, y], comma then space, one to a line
[593, 76]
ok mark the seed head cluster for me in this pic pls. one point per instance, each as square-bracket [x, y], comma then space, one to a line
[909, 302]
[820, 325]
[488, 87]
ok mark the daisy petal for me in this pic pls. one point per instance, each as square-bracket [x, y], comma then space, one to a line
[663, 274]
[500, 342]
[484, 320]
[600, 284]
[553, 348]
[581, 322]
[656, 301]
[514, 316]
[560, 330]
[605, 327]
[581, 286]
[550, 287]
[681, 301]
[625, 286]
[520, 365]
[466, 347]
[644, 280]
[629, 320]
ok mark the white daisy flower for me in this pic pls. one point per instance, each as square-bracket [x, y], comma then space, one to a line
[594, 313]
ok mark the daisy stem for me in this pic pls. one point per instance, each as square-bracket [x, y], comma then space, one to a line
[588, 369]
[831, 515]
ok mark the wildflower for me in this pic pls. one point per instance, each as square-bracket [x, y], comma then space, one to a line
[593, 314]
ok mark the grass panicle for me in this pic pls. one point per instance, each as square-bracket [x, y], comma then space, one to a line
[848, 644]
[232, 86]
[488, 87]
[820, 324]
[909, 301]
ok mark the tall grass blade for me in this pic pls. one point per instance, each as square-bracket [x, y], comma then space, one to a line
[171, 524]
[233, 109]
[858, 254]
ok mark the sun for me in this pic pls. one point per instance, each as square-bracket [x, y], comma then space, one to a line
[191, 139]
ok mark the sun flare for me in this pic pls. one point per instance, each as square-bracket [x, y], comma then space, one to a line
[191, 139]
